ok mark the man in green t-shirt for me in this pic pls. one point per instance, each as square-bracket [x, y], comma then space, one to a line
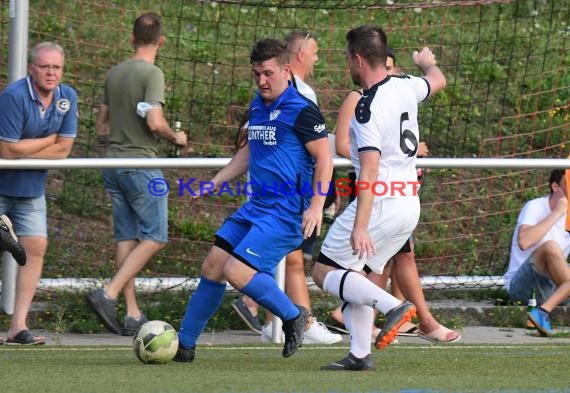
[130, 123]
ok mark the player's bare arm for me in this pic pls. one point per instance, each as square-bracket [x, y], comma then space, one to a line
[425, 60]
[313, 216]
[345, 113]
[238, 166]
[423, 150]
[360, 239]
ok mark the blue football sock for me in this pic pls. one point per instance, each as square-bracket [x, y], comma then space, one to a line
[203, 303]
[264, 290]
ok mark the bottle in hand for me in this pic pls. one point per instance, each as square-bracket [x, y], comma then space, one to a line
[531, 306]
[175, 151]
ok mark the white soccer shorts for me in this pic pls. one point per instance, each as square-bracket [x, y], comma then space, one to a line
[391, 223]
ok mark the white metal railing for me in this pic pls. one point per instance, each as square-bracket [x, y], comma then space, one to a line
[9, 267]
[159, 284]
[212, 163]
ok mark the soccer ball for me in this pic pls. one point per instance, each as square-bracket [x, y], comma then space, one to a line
[155, 342]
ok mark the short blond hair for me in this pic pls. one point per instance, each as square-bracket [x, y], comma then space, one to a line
[50, 46]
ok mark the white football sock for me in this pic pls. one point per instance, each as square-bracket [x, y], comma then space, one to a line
[359, 290]
[358, 320]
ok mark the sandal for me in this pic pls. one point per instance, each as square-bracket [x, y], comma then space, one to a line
[26, 337]
[441, 335]
[338, 328]
[408, 329]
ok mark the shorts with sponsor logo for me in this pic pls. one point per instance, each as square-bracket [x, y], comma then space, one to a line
[392, 221]
[260, 236]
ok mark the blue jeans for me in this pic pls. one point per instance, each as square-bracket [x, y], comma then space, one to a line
[137, 214]
[528, 278]
[28, 215]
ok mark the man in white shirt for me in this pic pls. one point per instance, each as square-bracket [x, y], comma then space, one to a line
[384, 140]
[302, 48]
[539, 252]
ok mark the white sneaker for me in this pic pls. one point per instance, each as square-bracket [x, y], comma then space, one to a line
[319, 334]
[267, 334]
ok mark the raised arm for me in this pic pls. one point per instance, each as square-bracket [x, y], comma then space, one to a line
[425, 60]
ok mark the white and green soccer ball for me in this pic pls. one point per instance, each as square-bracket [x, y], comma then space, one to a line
[155, 342]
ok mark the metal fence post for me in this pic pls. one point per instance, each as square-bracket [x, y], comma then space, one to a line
[17, 62]
[9, 272]
[277, 322]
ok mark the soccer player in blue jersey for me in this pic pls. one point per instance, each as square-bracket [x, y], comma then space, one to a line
[38, 120]
[302, 48]
[287, 142]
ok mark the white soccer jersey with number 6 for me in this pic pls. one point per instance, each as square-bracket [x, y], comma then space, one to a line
[386, 121]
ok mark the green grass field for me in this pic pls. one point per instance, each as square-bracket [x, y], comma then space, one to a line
[402, 368]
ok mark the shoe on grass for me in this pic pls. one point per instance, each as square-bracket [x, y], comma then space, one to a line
[184, 355]
[9, 241]
[252, 321]
[351, 363]
[541, 319]
[294, 329]
[105, 308]
[131, 325]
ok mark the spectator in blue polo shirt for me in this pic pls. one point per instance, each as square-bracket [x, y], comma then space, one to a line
[38, 120]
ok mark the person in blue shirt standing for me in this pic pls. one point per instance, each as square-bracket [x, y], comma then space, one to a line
[38, 120]
[287, 141]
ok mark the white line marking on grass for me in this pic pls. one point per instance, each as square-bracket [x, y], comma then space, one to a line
[308, 348]
[81, 348]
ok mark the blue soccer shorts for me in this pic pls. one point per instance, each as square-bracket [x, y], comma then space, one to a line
[261, 237]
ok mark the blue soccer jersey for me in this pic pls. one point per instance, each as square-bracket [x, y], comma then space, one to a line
[281, 172]
[281, 168]
[24, 117]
